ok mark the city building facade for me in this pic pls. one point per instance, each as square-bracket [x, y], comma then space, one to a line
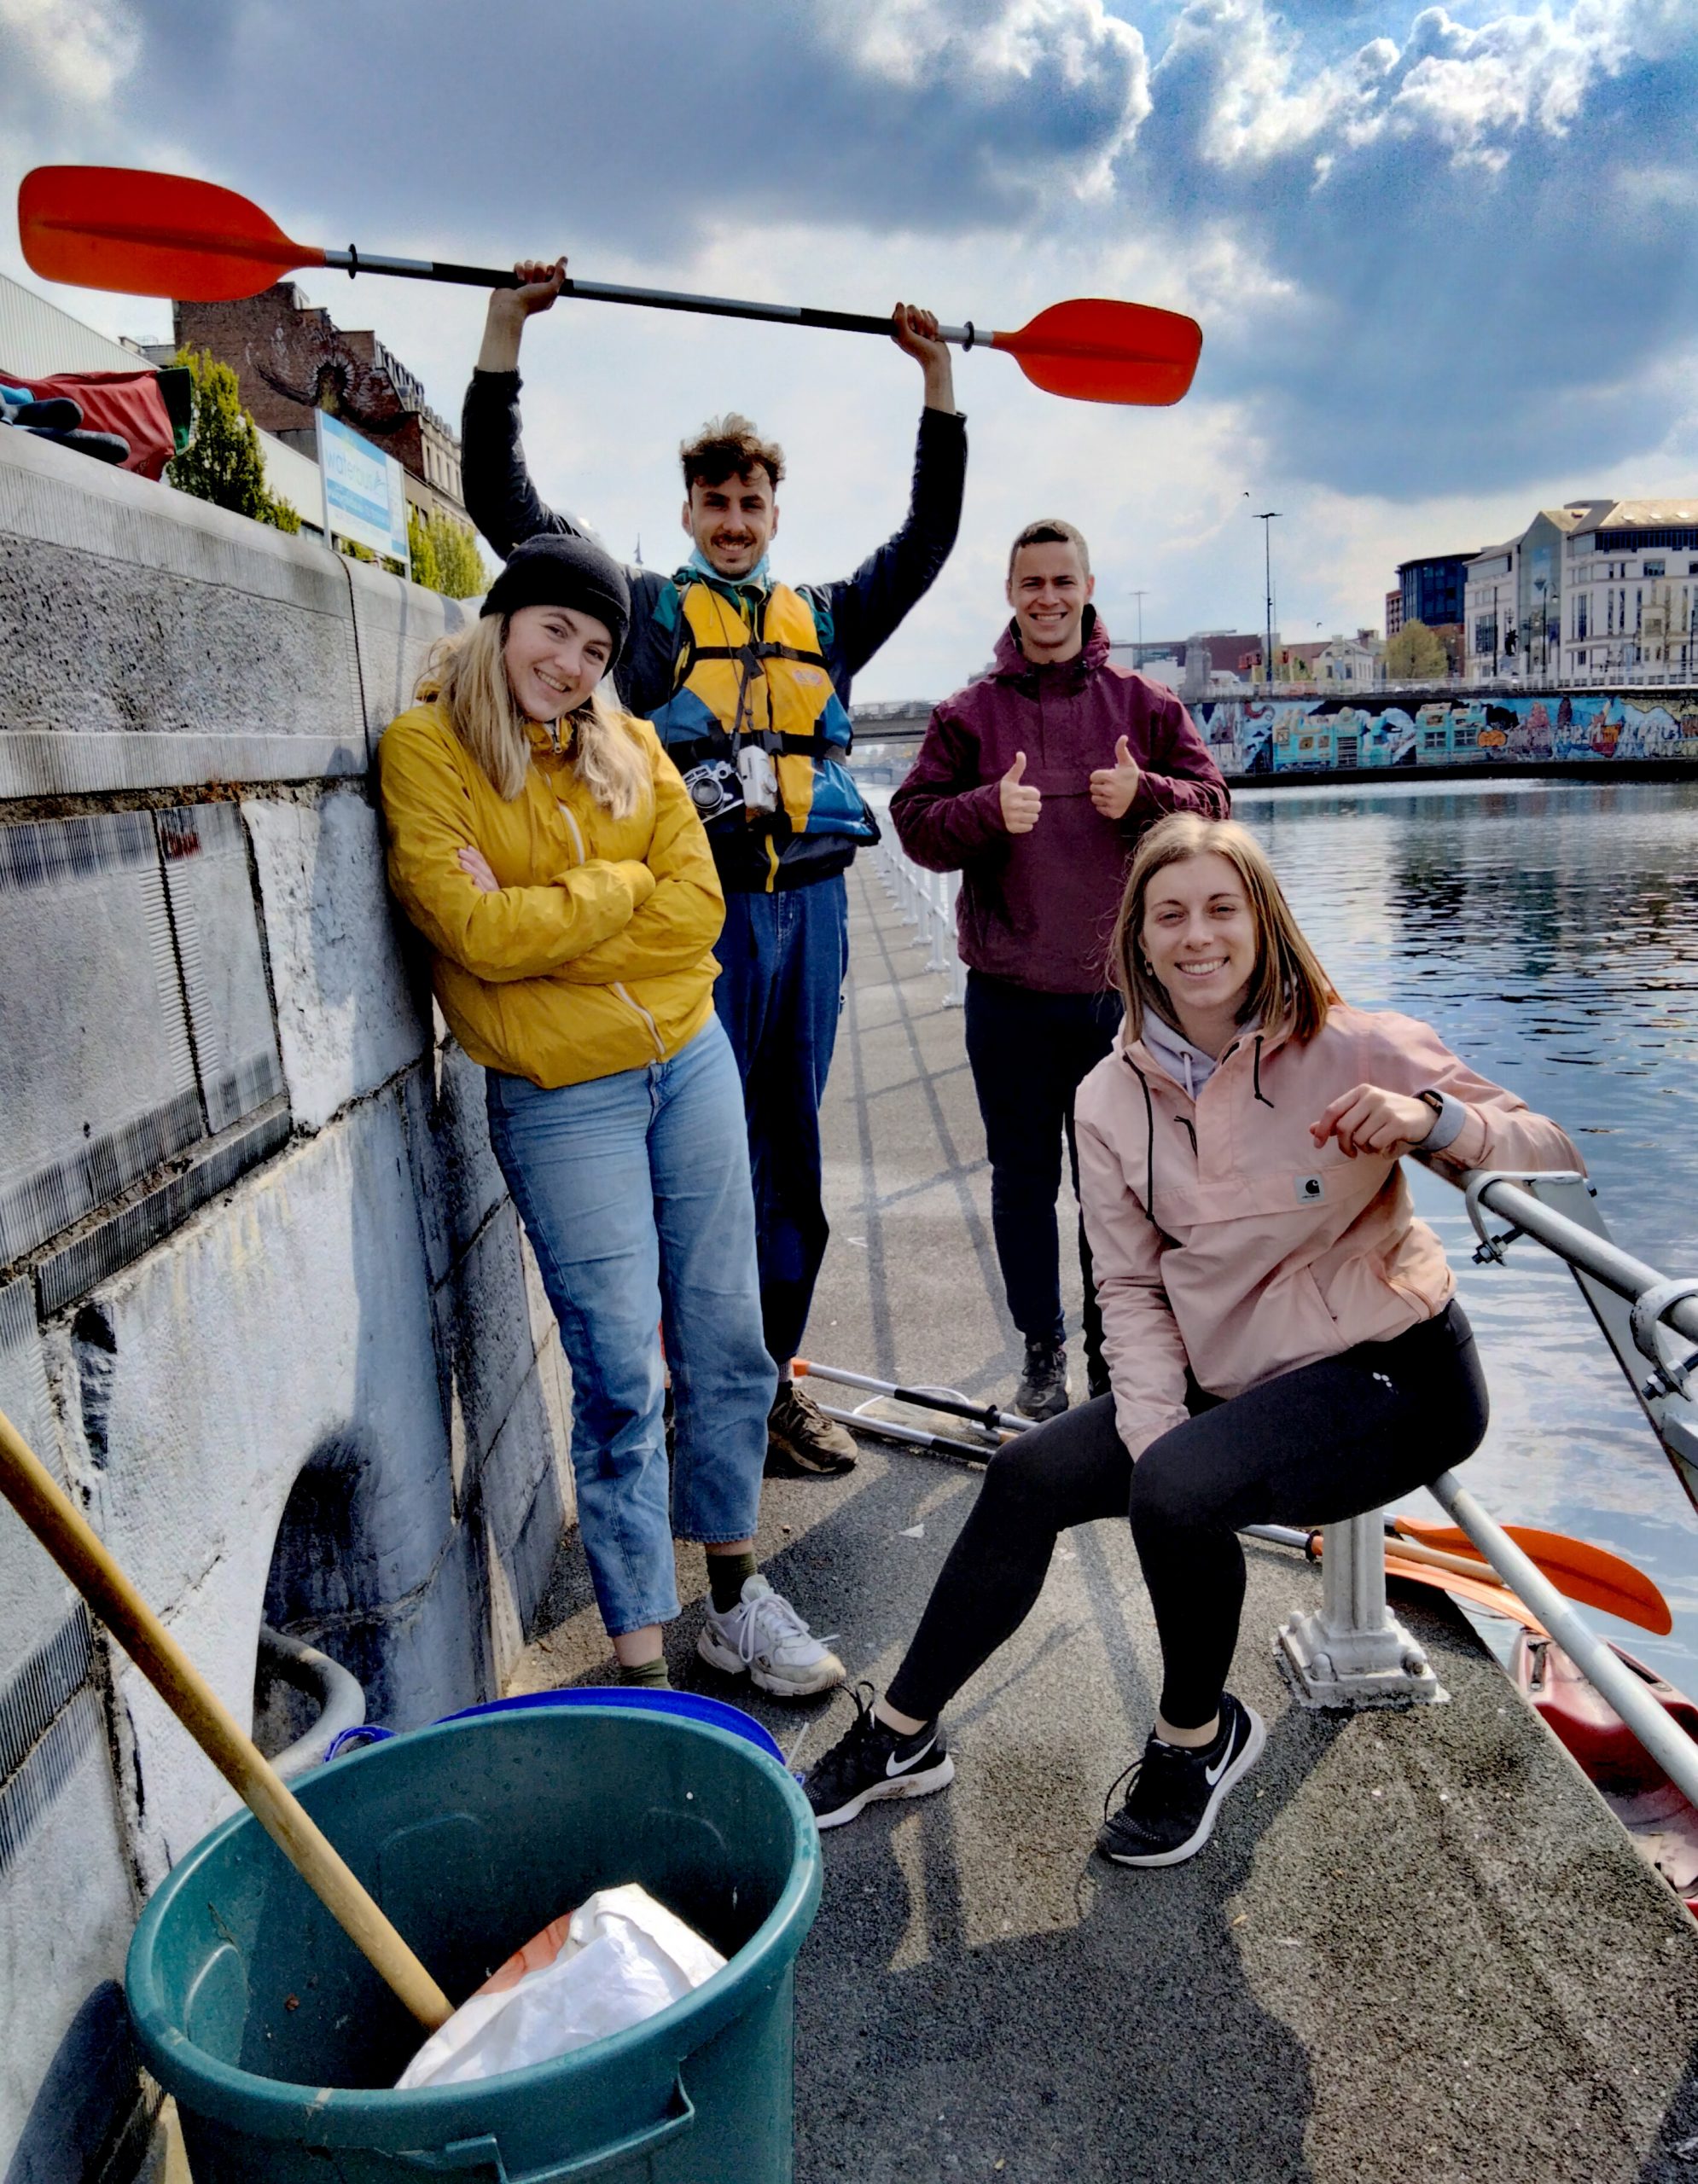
[291, 359]
[1630, 572]
[1490, 614]
[1432, 590]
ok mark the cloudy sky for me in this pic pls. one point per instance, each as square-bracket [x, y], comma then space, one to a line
[1443, 261]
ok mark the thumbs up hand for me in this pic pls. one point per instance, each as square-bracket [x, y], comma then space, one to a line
[1020, 805]
[1112, 787]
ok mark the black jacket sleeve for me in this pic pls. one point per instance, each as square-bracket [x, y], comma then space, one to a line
[866, 608]
[500, 498]
[507, 508]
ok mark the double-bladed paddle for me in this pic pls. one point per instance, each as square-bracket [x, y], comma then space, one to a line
[167, 235]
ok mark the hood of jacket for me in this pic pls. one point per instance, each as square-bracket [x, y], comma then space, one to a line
[1188, 1065]
[1010, 664]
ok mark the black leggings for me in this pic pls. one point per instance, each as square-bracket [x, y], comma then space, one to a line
[1326, 1442]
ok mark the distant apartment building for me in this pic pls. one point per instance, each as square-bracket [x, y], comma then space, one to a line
[1395, 613]
[1540, 566]
[1490, 614]
[291, 359]
[1330, 663]
[1207, 662]
[1351, 663]
[1432, 590]
[1596, 591]
[1630, 605]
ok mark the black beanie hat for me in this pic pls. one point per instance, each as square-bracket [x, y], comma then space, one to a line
[559, 569]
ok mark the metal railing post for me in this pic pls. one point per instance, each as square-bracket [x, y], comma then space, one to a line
[926, 901]
[1352, 1651]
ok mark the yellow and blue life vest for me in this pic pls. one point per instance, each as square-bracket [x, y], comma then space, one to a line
[750, 671]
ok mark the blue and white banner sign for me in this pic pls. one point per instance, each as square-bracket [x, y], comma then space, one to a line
[364, 497]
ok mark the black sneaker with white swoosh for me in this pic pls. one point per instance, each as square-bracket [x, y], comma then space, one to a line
[873, 1760]
[1170, 1807]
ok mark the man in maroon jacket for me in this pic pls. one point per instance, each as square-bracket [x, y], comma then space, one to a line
[1035, 783]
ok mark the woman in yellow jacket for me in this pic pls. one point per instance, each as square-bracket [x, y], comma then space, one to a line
[546, 847]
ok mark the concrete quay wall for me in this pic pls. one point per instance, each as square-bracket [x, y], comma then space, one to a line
[264, 1304]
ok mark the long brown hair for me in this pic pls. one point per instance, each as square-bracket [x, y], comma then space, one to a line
[468, 673]
[1288, 986]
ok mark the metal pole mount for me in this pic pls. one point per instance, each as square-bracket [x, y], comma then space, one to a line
[1352, 1651]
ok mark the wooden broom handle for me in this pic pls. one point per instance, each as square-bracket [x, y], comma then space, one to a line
[80, 1552]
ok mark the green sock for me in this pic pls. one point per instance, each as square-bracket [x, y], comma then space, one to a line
[727, 1574]
[649, 1676]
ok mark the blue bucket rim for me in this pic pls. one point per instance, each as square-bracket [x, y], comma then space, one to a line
[685, 1706]
[249, 2101]
[682, 1706]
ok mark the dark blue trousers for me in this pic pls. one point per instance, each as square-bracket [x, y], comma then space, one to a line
[782, 959]
[1029, 1053]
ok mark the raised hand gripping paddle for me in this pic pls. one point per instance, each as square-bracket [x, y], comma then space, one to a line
[167, 235]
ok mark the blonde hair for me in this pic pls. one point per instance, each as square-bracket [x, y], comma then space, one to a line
[1288, 985]
[468, 672]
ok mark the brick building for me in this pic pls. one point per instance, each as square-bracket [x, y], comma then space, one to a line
[291, 358]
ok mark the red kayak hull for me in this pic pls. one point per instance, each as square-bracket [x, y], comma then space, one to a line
[1662, 1822]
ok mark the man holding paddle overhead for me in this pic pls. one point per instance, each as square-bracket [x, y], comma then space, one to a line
[748, 682]
[1035, 783]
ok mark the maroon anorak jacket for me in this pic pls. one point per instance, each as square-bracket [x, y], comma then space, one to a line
[1038, 909]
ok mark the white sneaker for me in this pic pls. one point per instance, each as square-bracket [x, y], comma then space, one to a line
[765, 1635]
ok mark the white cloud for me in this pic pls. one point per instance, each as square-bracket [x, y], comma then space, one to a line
[1008, 54]
[1469, 91]
[78, 50]
[1379, 360]
[1268, 100]
[1519, 71]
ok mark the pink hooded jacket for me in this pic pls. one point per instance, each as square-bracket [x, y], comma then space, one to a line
[1223, 1239]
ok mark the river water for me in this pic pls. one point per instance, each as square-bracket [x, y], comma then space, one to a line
[1549, 931]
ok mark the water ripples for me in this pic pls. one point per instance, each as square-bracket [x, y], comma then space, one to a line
[1549, 933]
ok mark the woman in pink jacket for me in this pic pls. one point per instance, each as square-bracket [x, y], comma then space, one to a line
[1281, 1333]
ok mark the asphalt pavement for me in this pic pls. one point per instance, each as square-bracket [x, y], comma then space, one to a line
[1419, 1946]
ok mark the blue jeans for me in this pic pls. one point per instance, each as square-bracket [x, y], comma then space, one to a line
[783, 958]
[634, 1190]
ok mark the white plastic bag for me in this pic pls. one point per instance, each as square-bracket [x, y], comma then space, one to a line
[618, 1959]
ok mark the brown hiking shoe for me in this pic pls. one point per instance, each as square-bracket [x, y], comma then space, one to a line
[801, 1441]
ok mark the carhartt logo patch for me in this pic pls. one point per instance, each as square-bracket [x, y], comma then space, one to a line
[1309, 1189]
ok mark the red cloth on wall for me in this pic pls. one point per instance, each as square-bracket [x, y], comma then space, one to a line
[128, 403]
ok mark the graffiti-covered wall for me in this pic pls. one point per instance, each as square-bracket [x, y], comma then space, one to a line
[1282, 735]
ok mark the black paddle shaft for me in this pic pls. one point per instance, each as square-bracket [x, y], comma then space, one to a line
[351, 261]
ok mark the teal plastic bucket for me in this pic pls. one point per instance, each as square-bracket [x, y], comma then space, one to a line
[282, 2045]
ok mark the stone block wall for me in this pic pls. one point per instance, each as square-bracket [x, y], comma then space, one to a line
[265, 1304]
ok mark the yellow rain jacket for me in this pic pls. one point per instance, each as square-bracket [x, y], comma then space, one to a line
[594, 957]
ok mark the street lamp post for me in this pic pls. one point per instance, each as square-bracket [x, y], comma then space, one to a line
[1137, 657]
[1540, 585]
[1265, 517]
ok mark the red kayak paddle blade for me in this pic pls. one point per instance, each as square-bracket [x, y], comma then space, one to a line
[151, 235]
[1577, 1568]
[1095, 350]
